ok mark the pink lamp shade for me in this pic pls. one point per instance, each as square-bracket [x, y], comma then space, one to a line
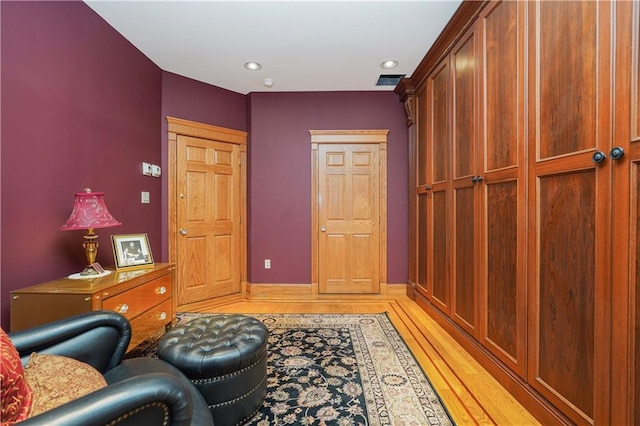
[89, 211]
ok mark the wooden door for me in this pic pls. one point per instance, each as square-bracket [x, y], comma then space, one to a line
[349, 232]
[502, 208]
[569, 208]
[465, 181]
[438, 186]
[207, 204]
[420, 192]
[209, 219]
[625, 331]
[348, 214]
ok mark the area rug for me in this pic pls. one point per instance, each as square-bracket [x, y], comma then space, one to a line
[331, 369]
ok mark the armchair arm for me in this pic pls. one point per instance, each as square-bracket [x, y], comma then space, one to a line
[149, 399]
[99, 338]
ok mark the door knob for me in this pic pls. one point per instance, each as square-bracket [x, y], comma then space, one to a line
[183, 231]
[598, 157]
[323, 228]
[617, 153]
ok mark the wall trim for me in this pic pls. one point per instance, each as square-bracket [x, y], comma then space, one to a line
[306, 291]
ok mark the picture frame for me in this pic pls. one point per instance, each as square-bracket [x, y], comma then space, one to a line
[131, 251]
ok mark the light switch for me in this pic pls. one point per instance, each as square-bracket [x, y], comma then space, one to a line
[155, 170]
[144, 197]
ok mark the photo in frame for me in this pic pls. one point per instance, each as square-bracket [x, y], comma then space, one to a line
[131, 250]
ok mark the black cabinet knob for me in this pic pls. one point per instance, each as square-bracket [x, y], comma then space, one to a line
[617, 153]
[598, 157]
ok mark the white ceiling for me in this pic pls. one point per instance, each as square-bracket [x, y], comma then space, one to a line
[302, 45]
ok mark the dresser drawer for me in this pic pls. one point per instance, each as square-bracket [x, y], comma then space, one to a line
[134, 302]
[150, 323]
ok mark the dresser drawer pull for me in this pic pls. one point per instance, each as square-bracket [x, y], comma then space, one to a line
[161, 290]
[123, 308]
[163, 316]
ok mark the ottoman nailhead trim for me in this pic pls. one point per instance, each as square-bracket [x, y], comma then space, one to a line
[226, 376]
[231, 401]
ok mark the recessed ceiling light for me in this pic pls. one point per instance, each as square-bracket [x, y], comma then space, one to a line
[252, 66]
[387, 65]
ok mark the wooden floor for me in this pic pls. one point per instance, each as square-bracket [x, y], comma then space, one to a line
[471, 395]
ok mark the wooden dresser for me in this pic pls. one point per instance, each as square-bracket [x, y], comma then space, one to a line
[144, 296]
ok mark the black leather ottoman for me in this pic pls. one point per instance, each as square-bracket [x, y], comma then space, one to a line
[225, 356]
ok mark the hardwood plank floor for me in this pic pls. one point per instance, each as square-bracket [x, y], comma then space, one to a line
[470, 393]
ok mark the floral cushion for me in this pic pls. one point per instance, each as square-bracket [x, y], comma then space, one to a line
[15, 393]
[56, 380]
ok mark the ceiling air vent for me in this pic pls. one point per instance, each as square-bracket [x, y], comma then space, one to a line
[389, 79]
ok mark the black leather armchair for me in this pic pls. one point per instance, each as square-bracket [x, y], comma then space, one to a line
[140, 391]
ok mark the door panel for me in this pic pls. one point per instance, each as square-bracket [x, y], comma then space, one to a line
[439, 276]
[565, 363]
[503, 83]
[502, 289]
[568, 66]
[208, 213]
[634, 246]
[465, 65]
[465, 294]
[348, 210]
[422, 242]
[422, 154]
[439, 142]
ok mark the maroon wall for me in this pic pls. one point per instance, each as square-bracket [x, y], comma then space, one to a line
[193, 100]
[280, 176]
[80, 108]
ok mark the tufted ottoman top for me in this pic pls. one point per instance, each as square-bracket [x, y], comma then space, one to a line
[215, 345]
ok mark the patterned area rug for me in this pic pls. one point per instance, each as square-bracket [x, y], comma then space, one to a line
[326, 369]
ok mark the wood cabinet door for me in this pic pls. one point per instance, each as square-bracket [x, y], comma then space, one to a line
[421, 192]
[625, 331]
[502, 261]
[569, 210]
[208, 219]
[632, 242]
[348, 214]
[438, 261]
[464, 65]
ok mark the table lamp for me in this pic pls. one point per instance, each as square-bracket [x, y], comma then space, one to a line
[90, 212]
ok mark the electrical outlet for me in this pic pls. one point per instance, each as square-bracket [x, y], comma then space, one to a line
[146, 169]
[267, 264]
